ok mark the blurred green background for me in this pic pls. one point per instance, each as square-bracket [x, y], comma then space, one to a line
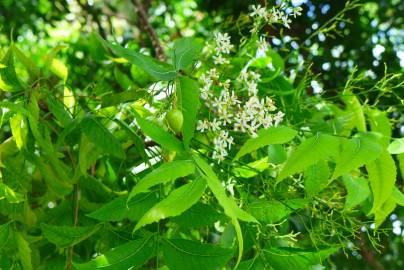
[369, 37]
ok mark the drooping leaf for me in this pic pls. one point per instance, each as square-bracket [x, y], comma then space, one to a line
[229, 205]
[163, 174]
[175, 204]
[189, 103]
[294, 258]
[65, 236]
[382, 176]
[120, 208]
[150, 65]
[358, 191]
[319, 147]
[384, 211]
[251, 169]
[271, 135]
[114, 99]
[59, 69]
[181, 254]
[132, 254]
[10, 195]
[159, 135]
[396, 146]
[398, 196]
[356, 152]
[101, 137]
[185, 52]
[316, 178]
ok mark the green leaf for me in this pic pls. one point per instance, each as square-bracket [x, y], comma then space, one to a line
[19, 129]
[150, 65]
[272, 135]
[101, 137]
[185, 52]
[59, 111]
[319, 147]
[126, 256]
[355, 153]
[398, 196]
[198, 216]
[113, 99]
[65, 236]
[4, 234]
[316, 178]
[276, 154]
[181, 254]
[358, 191]
[189, 104]
[59, 69]
[295, 258]
[88, 154]
[167, 172]
[159, 135]
[382, 213]
[24, 252]
[8, 77]
[138, 142]
[354, 106]
[175, 204]
[32, 68]
[229, 205]
[382, 176]
[252, 264]
[274, 211]
[123, 80]
[396, 146]
[252, 168]
[120, 208]
[10, 195]
[379, 122]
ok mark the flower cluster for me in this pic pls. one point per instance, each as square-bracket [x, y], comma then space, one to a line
[234, 104]
[280, 14]
[223, 46]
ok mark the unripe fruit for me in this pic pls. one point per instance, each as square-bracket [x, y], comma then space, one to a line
[174, 120]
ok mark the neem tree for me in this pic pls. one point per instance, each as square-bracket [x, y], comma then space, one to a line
[213, 159]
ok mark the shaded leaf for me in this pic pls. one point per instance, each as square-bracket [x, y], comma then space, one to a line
[101, 137]
[398, 196]
[384, 211]
[24, 252]
[185, 52]
[198, 216]
[316, 178]
[65, 236]
[274, 211]
[181, 254]
[358, 191]
[120, 208]
[126, 256]
[10, 195]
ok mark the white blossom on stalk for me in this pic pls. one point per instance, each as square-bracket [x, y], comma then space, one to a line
[220, 60]
[278, 118]
[202, 125]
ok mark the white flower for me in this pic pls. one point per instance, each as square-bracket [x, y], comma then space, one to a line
[262, 45]
[202, 125]
[297, 11]
[252, 88]
[223, 44]
[215, 125]
[278, 118]
[258, 11]
[220, 60]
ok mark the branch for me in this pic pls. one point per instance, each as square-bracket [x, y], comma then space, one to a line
[152, 33]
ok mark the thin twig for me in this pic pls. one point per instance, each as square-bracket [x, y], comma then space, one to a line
[152, 33]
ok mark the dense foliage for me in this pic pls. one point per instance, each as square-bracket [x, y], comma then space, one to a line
[203, 139]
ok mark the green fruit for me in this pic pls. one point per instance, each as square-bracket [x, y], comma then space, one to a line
[174, 119]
